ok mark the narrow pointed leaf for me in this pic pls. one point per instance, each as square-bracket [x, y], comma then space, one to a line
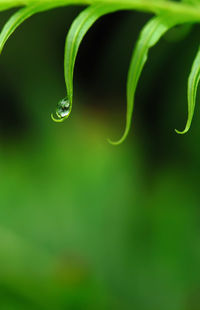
[76, 34]
[14, 22]
[19, 17]
[193, 82]
[149, 36]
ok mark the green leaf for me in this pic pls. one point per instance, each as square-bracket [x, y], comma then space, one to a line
[19, 17]
[14, 22]
[76, 34]
[193, 82]
[149, 36]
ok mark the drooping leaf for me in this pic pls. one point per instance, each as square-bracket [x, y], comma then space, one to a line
[76, 34]
[193, 82]
[149, 36]
[19, 17]
[14, 22]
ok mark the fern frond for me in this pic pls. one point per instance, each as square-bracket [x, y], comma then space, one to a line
[168, 13]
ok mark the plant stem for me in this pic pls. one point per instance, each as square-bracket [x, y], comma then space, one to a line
[182, 12]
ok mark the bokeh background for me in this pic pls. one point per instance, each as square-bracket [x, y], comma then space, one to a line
[85, 225]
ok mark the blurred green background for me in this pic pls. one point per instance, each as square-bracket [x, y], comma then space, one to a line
[83, 224]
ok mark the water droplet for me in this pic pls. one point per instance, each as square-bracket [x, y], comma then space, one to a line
[63, 110]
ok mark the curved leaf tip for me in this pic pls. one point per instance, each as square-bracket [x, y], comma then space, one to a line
[120, 141]
[183, 131]
[76, 34]
[149, 36]
[193, 82]
[57, 120]
[19, 17]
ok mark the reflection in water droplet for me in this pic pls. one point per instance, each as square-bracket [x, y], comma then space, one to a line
[63, 110]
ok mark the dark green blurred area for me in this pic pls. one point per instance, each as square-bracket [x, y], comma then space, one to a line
[83, 224]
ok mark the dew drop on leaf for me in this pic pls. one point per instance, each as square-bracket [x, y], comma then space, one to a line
[63, 110]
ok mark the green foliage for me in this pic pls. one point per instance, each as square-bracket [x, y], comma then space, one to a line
[15, 21]
[193, 82]
[150, 35]
[76, 34]
[168, 14]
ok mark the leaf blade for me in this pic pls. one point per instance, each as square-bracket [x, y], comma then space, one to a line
[149, 36]
[193, 82]
[19, 17]
[13, 23]
[76, 34]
